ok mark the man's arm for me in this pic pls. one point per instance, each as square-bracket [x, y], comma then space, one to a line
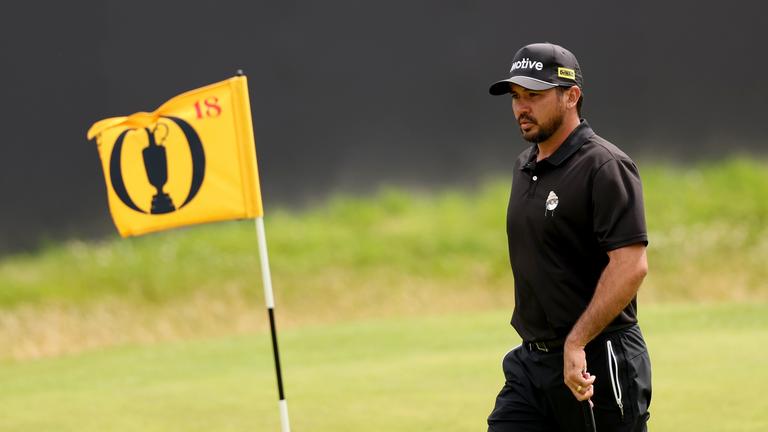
[617, 286]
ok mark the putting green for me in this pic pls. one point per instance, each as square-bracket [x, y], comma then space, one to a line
[434, 373]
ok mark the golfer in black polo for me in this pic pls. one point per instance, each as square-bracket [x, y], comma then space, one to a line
[577, 238]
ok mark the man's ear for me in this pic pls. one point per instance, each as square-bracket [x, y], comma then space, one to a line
[573, 95]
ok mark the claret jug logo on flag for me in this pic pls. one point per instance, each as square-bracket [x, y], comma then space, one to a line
[192, 160]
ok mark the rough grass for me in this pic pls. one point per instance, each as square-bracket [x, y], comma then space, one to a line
[396, 252]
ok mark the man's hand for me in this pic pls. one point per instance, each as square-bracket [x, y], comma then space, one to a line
[575, 372]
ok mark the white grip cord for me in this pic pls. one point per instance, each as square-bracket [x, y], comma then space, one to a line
[613, 370]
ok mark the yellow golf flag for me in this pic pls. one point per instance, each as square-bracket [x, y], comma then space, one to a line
[192, 160]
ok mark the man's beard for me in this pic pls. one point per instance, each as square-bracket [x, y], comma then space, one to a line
[547, 129]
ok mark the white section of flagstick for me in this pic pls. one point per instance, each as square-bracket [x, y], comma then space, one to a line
[266, 276]
[284, 424]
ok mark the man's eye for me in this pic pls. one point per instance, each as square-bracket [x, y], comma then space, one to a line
[515, 96]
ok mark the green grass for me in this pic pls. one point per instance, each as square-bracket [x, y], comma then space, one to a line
[395, 252]
[400, 232]
[706, 222]
[429, 373]
[708, 227]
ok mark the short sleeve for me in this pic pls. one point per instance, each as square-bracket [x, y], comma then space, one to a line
[617, 204]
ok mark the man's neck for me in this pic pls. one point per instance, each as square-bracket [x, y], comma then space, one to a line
[549, 147]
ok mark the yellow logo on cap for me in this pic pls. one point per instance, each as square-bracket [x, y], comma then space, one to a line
[566, 73]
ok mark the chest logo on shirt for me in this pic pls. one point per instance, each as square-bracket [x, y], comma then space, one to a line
[551, 204]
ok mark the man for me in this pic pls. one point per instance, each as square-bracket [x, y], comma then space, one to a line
[577, 238]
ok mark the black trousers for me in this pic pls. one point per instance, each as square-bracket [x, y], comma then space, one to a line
[535, 399]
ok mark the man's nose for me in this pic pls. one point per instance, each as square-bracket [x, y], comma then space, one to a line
[519, 107]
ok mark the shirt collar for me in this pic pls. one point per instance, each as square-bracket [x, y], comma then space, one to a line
[575, 140]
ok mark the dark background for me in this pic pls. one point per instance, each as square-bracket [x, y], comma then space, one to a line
[348, 95]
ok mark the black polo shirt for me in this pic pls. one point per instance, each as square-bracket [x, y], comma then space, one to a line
[565, 213]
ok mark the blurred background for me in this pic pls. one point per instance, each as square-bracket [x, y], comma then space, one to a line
[350, 95]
